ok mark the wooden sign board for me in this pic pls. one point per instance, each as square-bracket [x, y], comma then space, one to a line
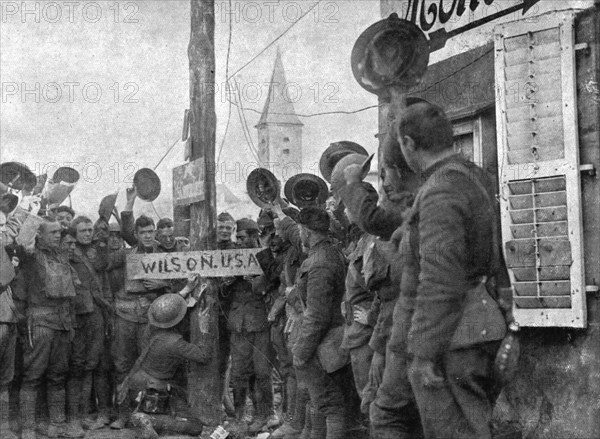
[214, 263]
[188, 183]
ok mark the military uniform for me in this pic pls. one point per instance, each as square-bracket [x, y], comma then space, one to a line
[8, 317]
[8, 344]
[320, 286]
[357, 335]
[132, 301]
[384, 268]
[284, 332]
[88, 342]
[43, 291]
[8, 323]
[250, 345]
[164, 354]
[362, 199]
[104, 374]
[447, 249]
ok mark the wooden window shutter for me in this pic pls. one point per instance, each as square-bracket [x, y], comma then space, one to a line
[538, 156]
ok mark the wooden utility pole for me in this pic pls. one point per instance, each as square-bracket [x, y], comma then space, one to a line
[204, 386]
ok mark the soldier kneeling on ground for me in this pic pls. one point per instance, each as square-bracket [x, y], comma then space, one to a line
[162, 404]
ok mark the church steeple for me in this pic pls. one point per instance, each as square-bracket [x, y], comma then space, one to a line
[279, 128]
[279, 108]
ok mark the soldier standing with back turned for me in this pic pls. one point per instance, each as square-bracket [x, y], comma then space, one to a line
[448, 254]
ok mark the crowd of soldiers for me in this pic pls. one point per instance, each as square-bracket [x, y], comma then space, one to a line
[365, 309]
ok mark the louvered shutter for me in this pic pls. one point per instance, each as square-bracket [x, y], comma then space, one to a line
[538, 156]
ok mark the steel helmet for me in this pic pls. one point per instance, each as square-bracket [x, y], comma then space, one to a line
[167, 311]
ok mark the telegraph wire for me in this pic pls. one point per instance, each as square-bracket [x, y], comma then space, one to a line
[245, 123]
[247, 135]
[166, 154]
[326, 113]
[274, 41]
[307, 115]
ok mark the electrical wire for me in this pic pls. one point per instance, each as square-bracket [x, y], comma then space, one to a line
[274, 41]
[246, 133]
[227, 85]
[245, 122]
[166, 154]
[155, 211]
[325, 113]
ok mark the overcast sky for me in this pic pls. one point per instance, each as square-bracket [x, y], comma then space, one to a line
[106, 87]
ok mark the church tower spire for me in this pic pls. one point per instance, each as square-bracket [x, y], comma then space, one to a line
[279, 128]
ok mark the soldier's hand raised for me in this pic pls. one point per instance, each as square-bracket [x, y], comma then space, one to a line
[277, 210]
[131, 194]
[361, 315]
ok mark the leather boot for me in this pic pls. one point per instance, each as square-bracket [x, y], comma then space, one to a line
[318, 428]
[123, 414]
[73, 428]
[103, 393]
[27, 403]
[301, 413]
[336, 426]
[239, 402]
[264, 404]
[5, 431]
[73, 392]
[165, 424]
[306, 430]
[260, 420]
[291, 390]
[143, 422]
[56, 410]
[86, 395]
[286, 431]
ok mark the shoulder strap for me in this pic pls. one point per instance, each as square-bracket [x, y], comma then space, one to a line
[138, 363]
[91, 269]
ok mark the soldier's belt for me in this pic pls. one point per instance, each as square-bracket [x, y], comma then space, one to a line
[39, 311]
[132, 305]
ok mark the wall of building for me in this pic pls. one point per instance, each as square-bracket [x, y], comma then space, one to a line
[284, 144]
[482, 34]
[556, 393]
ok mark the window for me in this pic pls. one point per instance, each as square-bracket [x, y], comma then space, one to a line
[285, 151]
[467, 141]
[286, 139]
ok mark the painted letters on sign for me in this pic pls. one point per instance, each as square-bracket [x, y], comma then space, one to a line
[427, 13]
[215, 263]
[188, 183]
[454, 17]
